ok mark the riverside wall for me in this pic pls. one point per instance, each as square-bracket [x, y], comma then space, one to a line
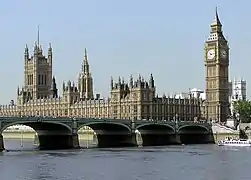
[30, 135]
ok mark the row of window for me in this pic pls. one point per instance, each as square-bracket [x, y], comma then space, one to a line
[42, 79]
[30, 79]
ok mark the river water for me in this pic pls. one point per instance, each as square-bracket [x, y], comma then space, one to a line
[192, 162]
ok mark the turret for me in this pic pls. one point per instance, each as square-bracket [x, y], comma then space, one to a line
[63, 86]
[26, 53]
[54, 90]
[18, 90]
[111, 84]
[151, 81]
[69, 84]
[35, 50]
[131, 82]
[50, 54]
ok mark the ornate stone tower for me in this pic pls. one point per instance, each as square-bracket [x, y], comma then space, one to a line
[216, 65]
[85, 81]
[37, 72]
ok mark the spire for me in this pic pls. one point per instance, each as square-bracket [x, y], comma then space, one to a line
[26, 47]
[216, 32]
[85, 55]
[36, 49]
[111, 85]
[53, 83]
[85, 65]
[63, 86]
[26, 51]
[131, 81]
[151, 81]
[38, 36]
[216, 21]
[54, 90]
[50, 50]
[85, 58]
[18, 90]
[119, 80]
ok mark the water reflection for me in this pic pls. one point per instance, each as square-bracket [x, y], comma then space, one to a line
[198, 162]
[28, 144]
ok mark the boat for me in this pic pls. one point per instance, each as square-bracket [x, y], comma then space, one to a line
[235, 142]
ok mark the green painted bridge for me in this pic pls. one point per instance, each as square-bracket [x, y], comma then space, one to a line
[61, 132]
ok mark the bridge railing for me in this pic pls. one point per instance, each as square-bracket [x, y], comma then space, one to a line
[53, 118]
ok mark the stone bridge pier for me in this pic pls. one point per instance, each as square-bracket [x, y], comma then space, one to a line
[51, 136]
[112, 134]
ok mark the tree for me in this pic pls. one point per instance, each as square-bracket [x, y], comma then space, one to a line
[243, 108]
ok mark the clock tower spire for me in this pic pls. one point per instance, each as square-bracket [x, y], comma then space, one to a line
[216, 52]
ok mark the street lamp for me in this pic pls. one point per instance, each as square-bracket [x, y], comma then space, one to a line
[218, 113]
[198, 112]
[207, 111]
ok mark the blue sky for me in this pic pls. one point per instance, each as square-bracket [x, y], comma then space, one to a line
[162, 37]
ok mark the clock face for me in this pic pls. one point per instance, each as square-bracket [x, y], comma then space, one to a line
[223, 53]
[211, 54]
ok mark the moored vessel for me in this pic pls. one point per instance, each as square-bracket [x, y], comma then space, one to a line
[235, 142]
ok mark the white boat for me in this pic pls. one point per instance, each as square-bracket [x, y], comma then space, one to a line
[235, 142]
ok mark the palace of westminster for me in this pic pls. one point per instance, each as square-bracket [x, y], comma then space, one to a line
[135, 99]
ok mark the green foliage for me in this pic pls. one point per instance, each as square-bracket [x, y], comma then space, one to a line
[243, 108]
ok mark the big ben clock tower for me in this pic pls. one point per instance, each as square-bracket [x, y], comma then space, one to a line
[216, 66]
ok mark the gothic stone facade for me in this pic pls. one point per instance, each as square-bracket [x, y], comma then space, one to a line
[136, 99]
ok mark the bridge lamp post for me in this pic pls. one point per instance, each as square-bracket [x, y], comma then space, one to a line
[219, 120]
[207, 112]
[198, 108]
[164, 111]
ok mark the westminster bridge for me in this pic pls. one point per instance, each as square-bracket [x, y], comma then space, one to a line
[62, 132]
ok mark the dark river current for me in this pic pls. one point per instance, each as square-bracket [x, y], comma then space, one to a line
[193, 162]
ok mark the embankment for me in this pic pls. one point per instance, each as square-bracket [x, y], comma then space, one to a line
[30, 135]
[221, 132]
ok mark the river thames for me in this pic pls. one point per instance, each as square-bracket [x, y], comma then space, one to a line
[191, 162]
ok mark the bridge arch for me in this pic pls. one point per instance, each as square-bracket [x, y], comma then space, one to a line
[154, 134]
[111, 134]
[36, 125]
[197, 128]
[195, 134]
[51, 135]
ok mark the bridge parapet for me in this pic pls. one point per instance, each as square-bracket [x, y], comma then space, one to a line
[157, 122]
[111, 132]
[79, 121]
